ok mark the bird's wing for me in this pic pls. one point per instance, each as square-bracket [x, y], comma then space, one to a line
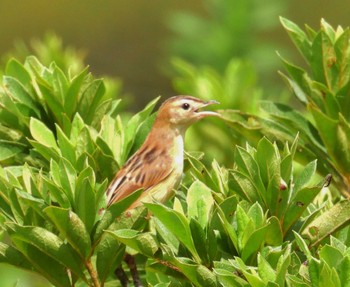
[144, 170]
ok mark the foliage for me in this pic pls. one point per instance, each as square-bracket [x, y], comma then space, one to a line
[50, 203]
[231, 29]
[324, 131]
[259, 222]
[47, 50]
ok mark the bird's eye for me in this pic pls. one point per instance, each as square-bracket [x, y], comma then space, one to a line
[185, 106]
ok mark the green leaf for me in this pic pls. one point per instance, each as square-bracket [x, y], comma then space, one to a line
[67, 178]
[336, 137]
[10, 149]
[59, 83]
[200, 202]
[28, 200]
[58, 195]
[177, 224]
[169, 238]
[266, 272]
[113, 212]
[343, 271]
[48, 243]
[298, 204]
[55, 272]
[305, 176]
[254, 242]
[328, 222]
[42, 134]
[66, 146]
[198, 275]
[90, 99]
[145, 243]
[72, 228]
[109, 255]
[73, 92]
[298, 37]
[10, 255]
[133, 126]
[283, 266]
[16, 70]
[244, 187]
[332, 256]
[247, 165]
[45, 151]
[18, 92]
[85, 203]
[274, 236]
[302, 245]
[200, 238]
[228, 227]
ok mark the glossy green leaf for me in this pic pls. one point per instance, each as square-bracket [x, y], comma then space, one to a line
[72, 228]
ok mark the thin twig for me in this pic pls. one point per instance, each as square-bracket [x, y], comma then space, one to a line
[93, 273]
[123, 278]
[130, 261]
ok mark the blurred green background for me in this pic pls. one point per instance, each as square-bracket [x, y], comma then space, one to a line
[136, 41]
[133, 40]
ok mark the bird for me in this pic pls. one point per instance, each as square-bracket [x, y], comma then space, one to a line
[157, 166]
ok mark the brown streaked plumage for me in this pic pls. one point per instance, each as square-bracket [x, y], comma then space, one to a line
[158, 164]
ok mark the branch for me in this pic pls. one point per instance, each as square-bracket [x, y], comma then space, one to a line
[93, 273]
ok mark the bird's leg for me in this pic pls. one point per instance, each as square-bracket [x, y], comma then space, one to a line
[123, 278]
[130, 261]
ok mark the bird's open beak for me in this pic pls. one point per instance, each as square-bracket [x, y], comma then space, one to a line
[201, 113]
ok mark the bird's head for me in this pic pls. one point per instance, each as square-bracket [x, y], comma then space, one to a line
[184, 110]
